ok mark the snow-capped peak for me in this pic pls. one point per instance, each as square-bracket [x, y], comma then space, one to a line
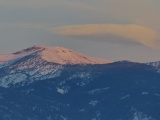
[58, 55]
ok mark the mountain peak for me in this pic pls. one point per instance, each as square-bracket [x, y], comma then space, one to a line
[58, 55]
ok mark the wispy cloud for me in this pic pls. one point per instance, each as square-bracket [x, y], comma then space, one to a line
[130, 32]
[143, 12]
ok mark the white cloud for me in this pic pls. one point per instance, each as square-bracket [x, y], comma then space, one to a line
[130, 32]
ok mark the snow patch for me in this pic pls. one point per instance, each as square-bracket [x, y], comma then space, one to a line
[13, 79]
[62, 90]
[124, 97]
[141, 116]
[157, 94]
[145, 93]
[93, 103]
[96, 91]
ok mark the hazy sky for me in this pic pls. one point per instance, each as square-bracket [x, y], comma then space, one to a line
[112, 29]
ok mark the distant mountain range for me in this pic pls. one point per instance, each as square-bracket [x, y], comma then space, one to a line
[55, 83]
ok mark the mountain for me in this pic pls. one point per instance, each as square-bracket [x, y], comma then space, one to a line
[39, 63]
[35, 88]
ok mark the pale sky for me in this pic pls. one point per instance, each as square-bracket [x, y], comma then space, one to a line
[112, 29]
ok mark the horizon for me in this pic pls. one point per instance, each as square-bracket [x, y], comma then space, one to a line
[115, 30]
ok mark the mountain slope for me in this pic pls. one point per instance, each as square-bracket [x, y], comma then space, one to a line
[116, 91]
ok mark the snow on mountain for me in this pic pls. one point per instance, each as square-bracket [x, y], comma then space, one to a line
[66, 56]
[4, 58]
[58, 55]
[10, 58]
[156, 65]
[39, 63]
